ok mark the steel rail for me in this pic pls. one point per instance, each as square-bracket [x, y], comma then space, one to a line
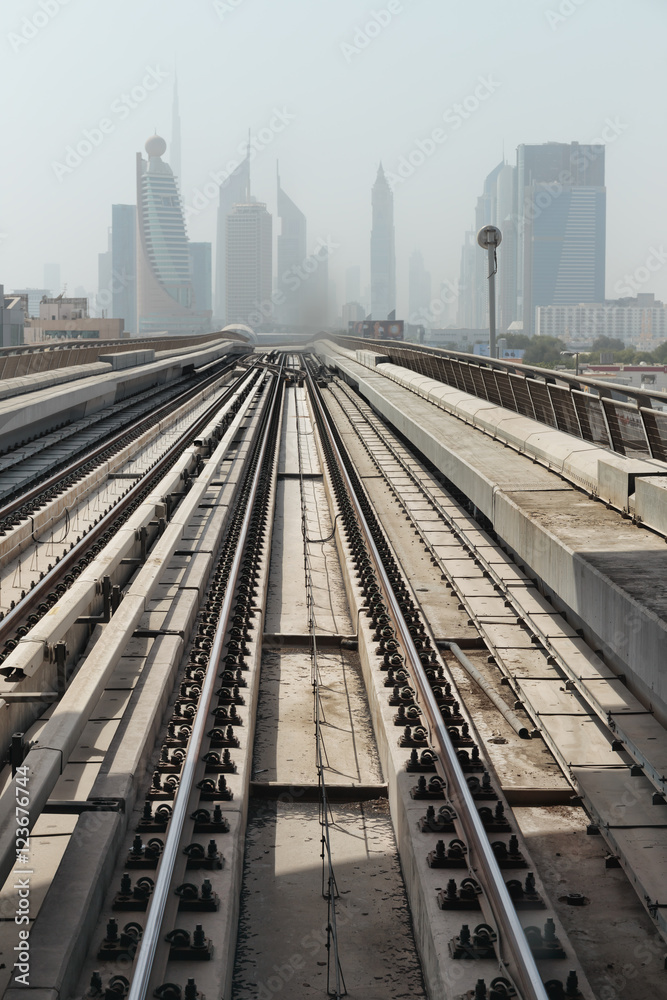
[146, 420]
[523, 968]
[149, 941]
[518, 725]
[610, 721]
[16, 615]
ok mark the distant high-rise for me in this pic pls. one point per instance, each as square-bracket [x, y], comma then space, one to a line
[496, 206]
[248, 264]
[468, 312]
[52, 278]
[419, 290]
[176, 138]
[291, 253]
[551, 210]
[103, 299]
[316, 288]
[32, 297]
[165, 299]
[561, 220]
[124, 265]
[235, 190]
[200, 275]
[383, 261]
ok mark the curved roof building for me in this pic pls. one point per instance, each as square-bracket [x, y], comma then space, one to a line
[165, 298]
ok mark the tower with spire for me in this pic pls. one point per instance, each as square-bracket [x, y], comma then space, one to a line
[383, 258]
[176, 137]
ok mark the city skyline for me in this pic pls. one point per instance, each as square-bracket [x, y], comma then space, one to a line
[312, 110]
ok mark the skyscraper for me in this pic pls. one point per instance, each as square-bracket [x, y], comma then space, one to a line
[176, 138]
[165, 299]
[315, 288]
[235, 190]
[200, 275]
[551, 210]
[561, 219]
[124, 265]
[291, 253]
[248, 264]
[496, 206]
[383, 262]
[468, 317]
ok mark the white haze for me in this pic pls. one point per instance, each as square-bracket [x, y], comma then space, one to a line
[558, 70]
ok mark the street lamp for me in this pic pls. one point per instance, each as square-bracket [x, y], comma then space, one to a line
[575, 355]
[489, 238]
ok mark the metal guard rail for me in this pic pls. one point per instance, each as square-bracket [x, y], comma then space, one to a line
[558, 400]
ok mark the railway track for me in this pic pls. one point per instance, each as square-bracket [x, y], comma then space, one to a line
[55, 499]
[277, 570]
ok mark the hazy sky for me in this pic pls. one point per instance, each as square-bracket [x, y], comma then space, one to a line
[330, 87]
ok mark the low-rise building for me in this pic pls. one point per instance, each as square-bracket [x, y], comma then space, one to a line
[38, 331]
[63, 309]
[640, 322]
[12, 318]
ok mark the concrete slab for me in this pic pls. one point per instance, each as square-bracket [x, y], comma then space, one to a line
[112, 704]
[283, 873]
[76, 782]
[651, 502]
[576, 739]
[551, 698]
[621, 799]
[284, 748]
[503, 636]
[648, 736]
[45, 854]
[581, 659]
[95, 741]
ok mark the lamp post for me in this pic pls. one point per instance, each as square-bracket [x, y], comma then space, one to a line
[489, 238]
[575, 355]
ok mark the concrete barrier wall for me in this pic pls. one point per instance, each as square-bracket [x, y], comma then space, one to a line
[62, 401]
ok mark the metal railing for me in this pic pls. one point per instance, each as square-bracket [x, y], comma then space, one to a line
[573, 404]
